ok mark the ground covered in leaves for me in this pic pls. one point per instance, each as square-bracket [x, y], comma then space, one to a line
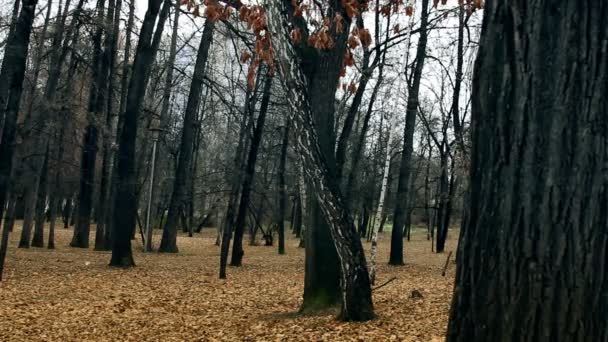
[70, 294]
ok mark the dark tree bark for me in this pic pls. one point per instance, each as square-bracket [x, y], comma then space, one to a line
[89, 150]
[15, 56]
[87, 175]
[38, 239]
[239, 225]
[124, 85]
[106, 97]
[532, 254]
[125, 201]
[401, 218]
[168, 242]
[67, 212]
[5, 68]
[283, 188]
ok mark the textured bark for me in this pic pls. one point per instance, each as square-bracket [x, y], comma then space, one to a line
[322, 265]
[532, 254]
[15, 56]
[354, 278]
[168, 242]
[401, 216]
[125, 201]
[239, 224]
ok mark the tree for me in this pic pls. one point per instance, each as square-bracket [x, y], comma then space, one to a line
[532, 254]
[401, 215]
[283, 188]
[16, 57]
[355, 285]
[239, 224]
[125, 204]
[168, 242]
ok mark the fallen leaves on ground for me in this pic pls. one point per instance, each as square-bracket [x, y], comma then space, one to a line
[70, 294]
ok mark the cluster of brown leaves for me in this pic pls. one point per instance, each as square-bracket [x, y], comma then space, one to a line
[472, 5]
[70, 294]
[214, 11]
[394, 7]
[255, 18]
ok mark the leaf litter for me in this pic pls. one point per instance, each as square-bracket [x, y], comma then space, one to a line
[70, 294]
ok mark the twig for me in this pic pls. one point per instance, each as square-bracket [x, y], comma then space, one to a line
[386, 283]
[445, 267]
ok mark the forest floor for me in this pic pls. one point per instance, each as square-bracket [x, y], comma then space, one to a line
[70, 294]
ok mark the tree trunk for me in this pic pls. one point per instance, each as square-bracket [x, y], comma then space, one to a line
[38, 239]
[168, 243]
[15, 56]
[401, 214]
[107, 98]
[87, 177]
[124, 86]
[239, 225]
[235, 184]
[125, 201]
[532, 254]
[356, 291]
[283, 188]
[5, 69]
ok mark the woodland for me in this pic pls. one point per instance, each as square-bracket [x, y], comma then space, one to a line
[278, 170]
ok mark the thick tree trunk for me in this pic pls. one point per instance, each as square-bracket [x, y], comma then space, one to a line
[107, 98]
[124, 86]
[125, 201]
[532, 254]
[87, 176]
[15, 57]
[5, 68]
[356, 291]
[168, 242]
[401, 214]
[239, 225]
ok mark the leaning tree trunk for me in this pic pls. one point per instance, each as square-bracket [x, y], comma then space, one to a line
[15, 55]
[401, 215]
[125, 201]
[532, 254]
[354, 278]
[168, 242]
[239, 224]
[235, 185]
